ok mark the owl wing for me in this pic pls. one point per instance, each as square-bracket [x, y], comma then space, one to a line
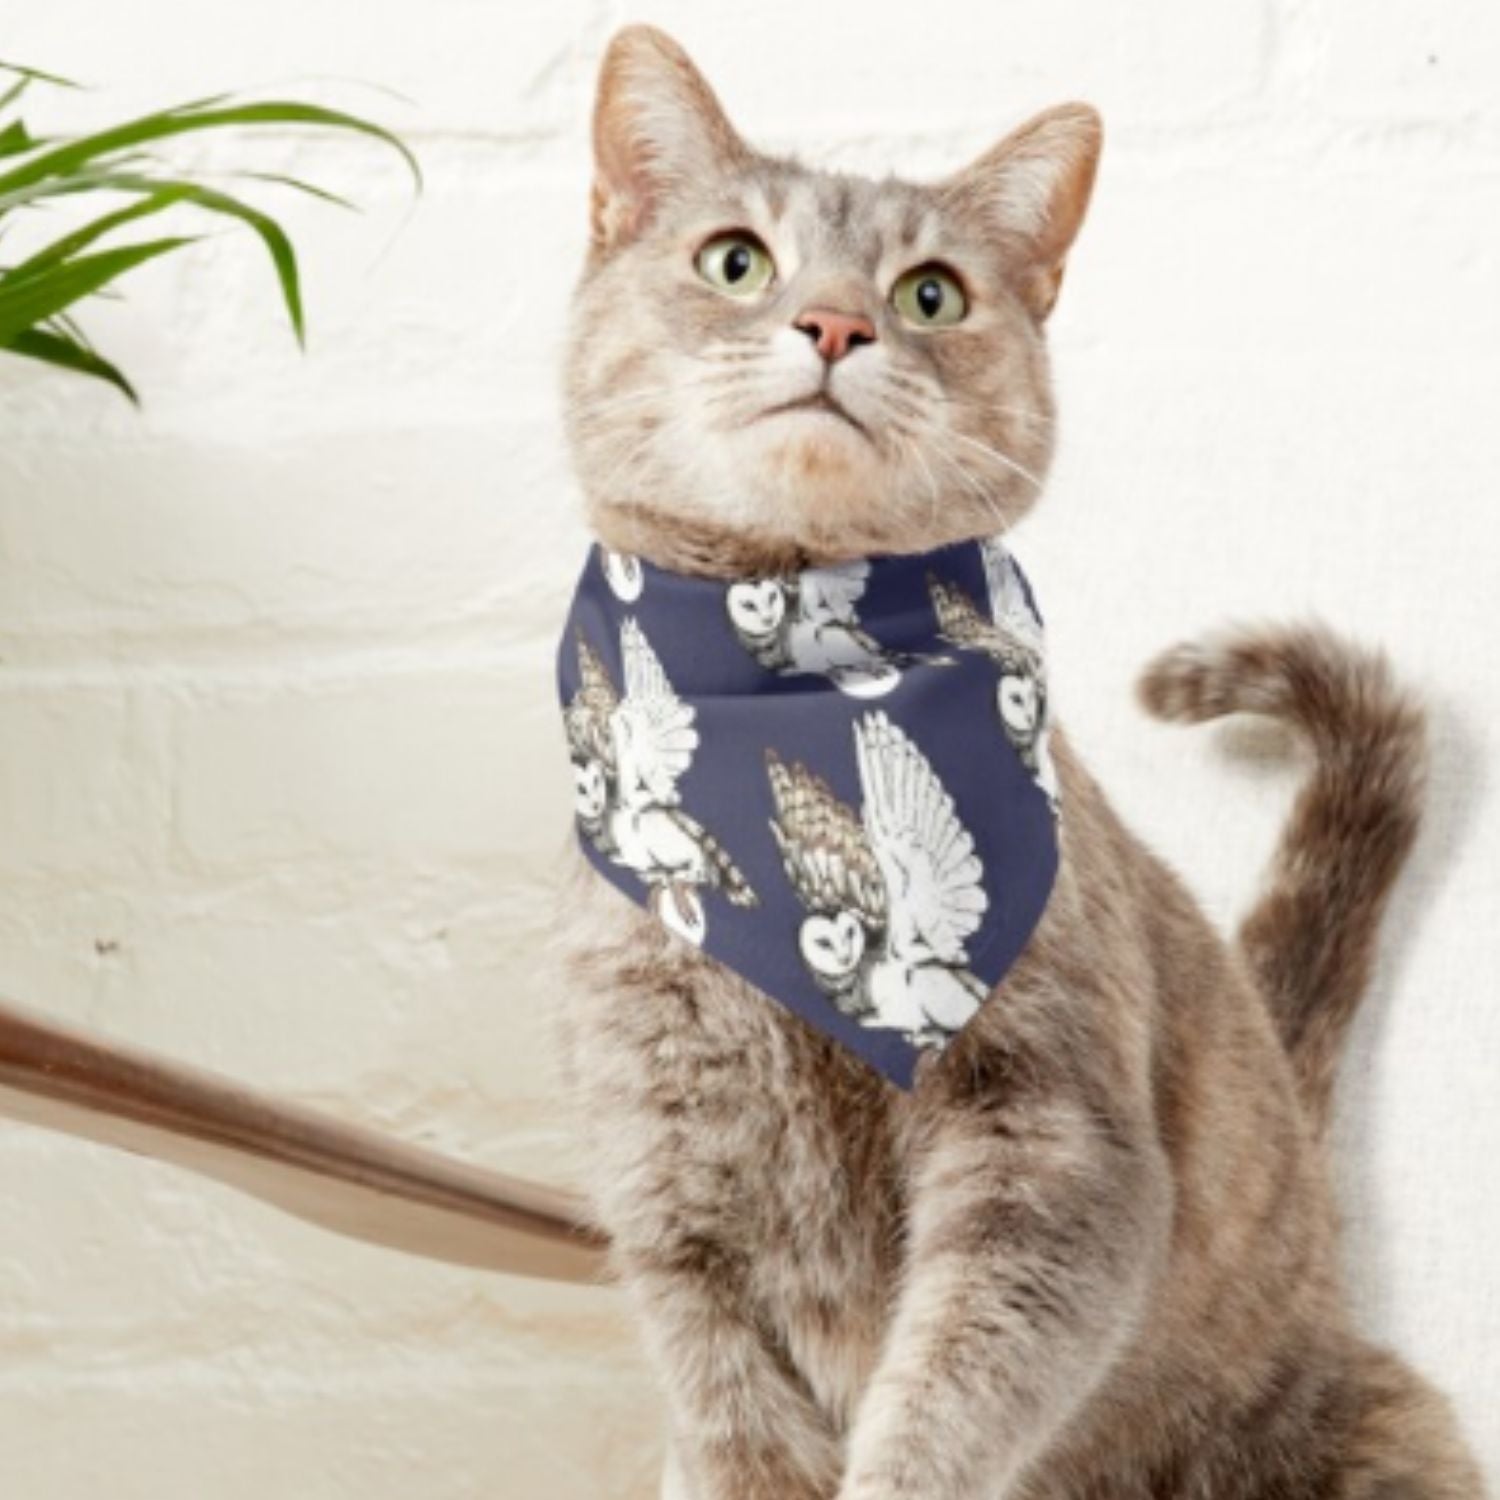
[961, 621]
[592, 706]
[1010, 604]
[653, 726]
[823, 846]
[827, 596]
[926, 856]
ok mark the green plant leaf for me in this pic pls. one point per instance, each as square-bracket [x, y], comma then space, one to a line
[310, 188]
[69, 354]
[63, 324]
[58, 288]
[102, 179]
[70, 156]
[69, 245]
[277, 243]
[15, 139]
[158, 194]
[14, 92]
[30, 75]
[38, 295]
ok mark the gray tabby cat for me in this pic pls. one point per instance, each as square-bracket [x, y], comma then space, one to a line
[1093, 1253]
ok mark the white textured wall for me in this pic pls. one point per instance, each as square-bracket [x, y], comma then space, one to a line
[277, 783]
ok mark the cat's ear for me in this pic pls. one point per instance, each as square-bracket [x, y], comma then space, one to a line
[1034, 188]
[657, 127]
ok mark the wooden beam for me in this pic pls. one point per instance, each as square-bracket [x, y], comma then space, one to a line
[348, 1178]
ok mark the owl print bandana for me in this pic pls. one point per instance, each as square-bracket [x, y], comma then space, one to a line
[836, 782]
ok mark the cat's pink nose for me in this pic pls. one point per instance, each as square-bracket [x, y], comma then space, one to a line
[835, 333]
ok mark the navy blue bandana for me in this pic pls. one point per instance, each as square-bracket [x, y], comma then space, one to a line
[836, 782]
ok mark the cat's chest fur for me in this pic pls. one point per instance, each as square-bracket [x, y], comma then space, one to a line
[720, 1129]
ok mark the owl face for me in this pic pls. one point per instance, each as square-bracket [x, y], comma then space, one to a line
[757, 607]
[832, 946]
[590, 790]
[1020, 703]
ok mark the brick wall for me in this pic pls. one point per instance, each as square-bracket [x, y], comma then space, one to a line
[279, 785]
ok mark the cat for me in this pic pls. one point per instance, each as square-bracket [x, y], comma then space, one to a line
[1093, 1253]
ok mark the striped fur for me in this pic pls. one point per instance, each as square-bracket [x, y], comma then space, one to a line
[1093, 1254]
[1311, 938]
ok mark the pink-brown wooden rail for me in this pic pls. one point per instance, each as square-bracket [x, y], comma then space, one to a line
[344, 1177]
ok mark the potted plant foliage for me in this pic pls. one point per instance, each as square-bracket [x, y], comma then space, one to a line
[118, 168]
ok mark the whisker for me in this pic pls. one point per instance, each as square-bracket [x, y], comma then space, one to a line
[1028, 414]
[977, 489]
[900, 407]
[742, 357]
[629, 463]
[919, 385]
[623, 402]
[668, 398]
[995, 455]
[915, 449]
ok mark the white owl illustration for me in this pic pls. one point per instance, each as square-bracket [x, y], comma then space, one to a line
[628, 755]
[892, 894]
[1011, 636]
[806, 622]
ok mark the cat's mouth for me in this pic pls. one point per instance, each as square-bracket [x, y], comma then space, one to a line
[821, 400]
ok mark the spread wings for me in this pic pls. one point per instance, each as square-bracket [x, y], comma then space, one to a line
[653, 727]
[827, 596]
[1014, 638]
[593, 704]
[823, 845]
[1009, 603]
[926, 856]
[961, 622]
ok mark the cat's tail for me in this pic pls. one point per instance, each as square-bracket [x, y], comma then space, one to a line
[1311, 937]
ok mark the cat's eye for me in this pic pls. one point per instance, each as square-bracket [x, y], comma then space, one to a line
[929, 297]
[736, 264]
